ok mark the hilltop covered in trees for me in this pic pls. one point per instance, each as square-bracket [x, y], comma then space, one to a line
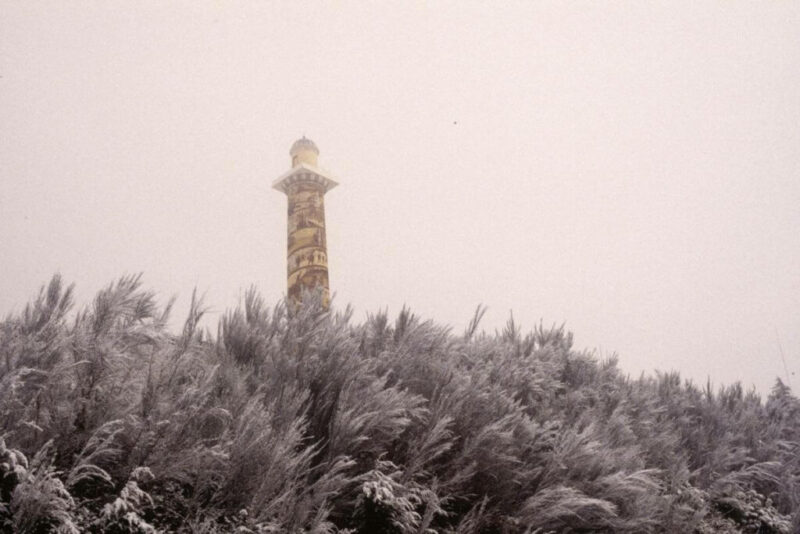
[311, 423]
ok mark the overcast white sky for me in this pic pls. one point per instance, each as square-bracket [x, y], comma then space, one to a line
[629, 168]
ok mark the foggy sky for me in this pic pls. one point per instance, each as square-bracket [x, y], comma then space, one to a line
[631, 169]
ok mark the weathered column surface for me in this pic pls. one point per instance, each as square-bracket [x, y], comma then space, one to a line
[305, 185]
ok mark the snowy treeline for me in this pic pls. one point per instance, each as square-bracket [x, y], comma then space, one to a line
[307, 422]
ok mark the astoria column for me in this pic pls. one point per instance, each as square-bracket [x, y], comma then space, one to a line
[305, 185]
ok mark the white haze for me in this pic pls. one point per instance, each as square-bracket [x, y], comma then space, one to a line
[629, 168]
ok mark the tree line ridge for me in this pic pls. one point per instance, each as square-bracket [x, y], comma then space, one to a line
[304, 420]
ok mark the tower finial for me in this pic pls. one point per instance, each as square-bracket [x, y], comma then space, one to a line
[304, 151]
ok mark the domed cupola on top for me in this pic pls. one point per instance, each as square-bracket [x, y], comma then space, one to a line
[304, 151]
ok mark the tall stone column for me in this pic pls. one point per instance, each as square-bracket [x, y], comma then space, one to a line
[307, 257]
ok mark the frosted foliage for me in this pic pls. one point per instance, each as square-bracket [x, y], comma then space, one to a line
[306, 421]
